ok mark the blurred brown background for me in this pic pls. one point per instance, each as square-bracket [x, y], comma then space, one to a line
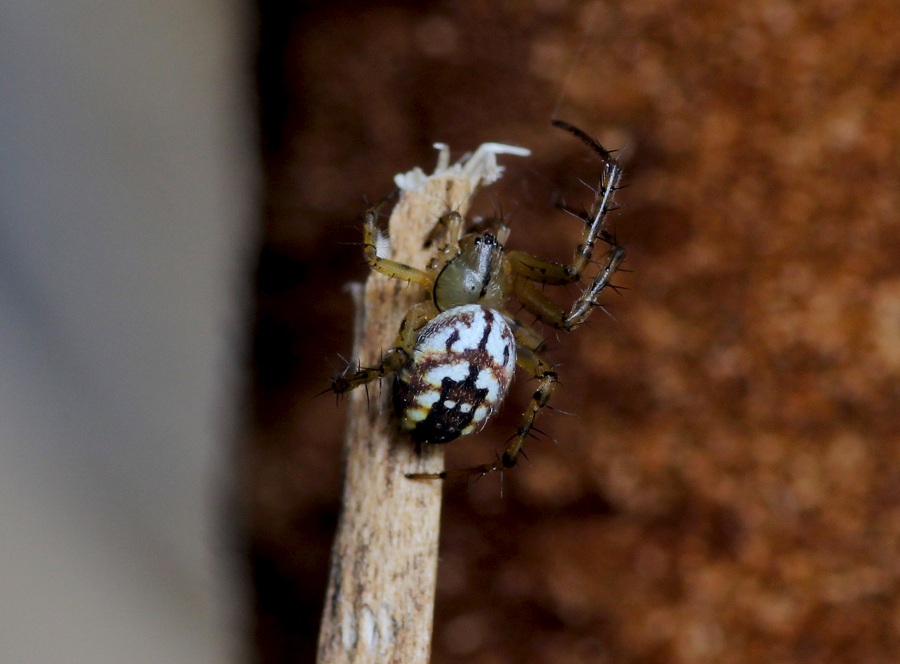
[728, 487]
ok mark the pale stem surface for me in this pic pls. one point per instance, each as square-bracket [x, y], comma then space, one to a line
[379, 604]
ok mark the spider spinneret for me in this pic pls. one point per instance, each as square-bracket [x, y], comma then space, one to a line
[456, 351]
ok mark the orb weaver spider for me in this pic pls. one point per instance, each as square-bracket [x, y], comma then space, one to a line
[456, 351]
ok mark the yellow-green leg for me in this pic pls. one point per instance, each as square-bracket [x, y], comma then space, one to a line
[394, 359]
[385, 266]
[534, 364]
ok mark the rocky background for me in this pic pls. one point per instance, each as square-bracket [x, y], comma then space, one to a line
[727, 487]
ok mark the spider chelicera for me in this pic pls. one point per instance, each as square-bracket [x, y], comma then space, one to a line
[456, 350]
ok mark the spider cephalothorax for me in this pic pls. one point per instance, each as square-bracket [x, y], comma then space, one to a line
[456, 351]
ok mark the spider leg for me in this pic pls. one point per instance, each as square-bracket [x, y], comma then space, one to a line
[540, 369]
[415, 318]
[529, 359]
[451, 223]
[550, 313]
[394, 359]
[390, 362]
[603, 199]
[385, 266]
[532, 362]
[530, 270]
[526, 336]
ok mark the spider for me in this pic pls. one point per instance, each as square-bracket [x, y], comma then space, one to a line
[456, 351]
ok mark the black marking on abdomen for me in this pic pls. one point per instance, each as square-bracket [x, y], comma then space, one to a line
[452, 339]
[443, 424]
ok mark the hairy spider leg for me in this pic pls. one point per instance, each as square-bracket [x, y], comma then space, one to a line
[534, 364]
[526, 335]
[603, 204]
[550, 313]
[450, 224]
[394, 359]
[531, 269]
[520, 274]
[418, 315]
[385, 266]
[551, 272]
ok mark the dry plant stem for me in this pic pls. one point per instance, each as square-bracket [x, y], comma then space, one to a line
[379, 604]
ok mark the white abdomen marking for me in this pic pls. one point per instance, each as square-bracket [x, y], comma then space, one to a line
[458, 374]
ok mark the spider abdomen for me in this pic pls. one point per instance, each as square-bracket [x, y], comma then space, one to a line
[457, 375]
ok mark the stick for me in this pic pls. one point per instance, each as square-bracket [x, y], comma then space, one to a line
[379, 605]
